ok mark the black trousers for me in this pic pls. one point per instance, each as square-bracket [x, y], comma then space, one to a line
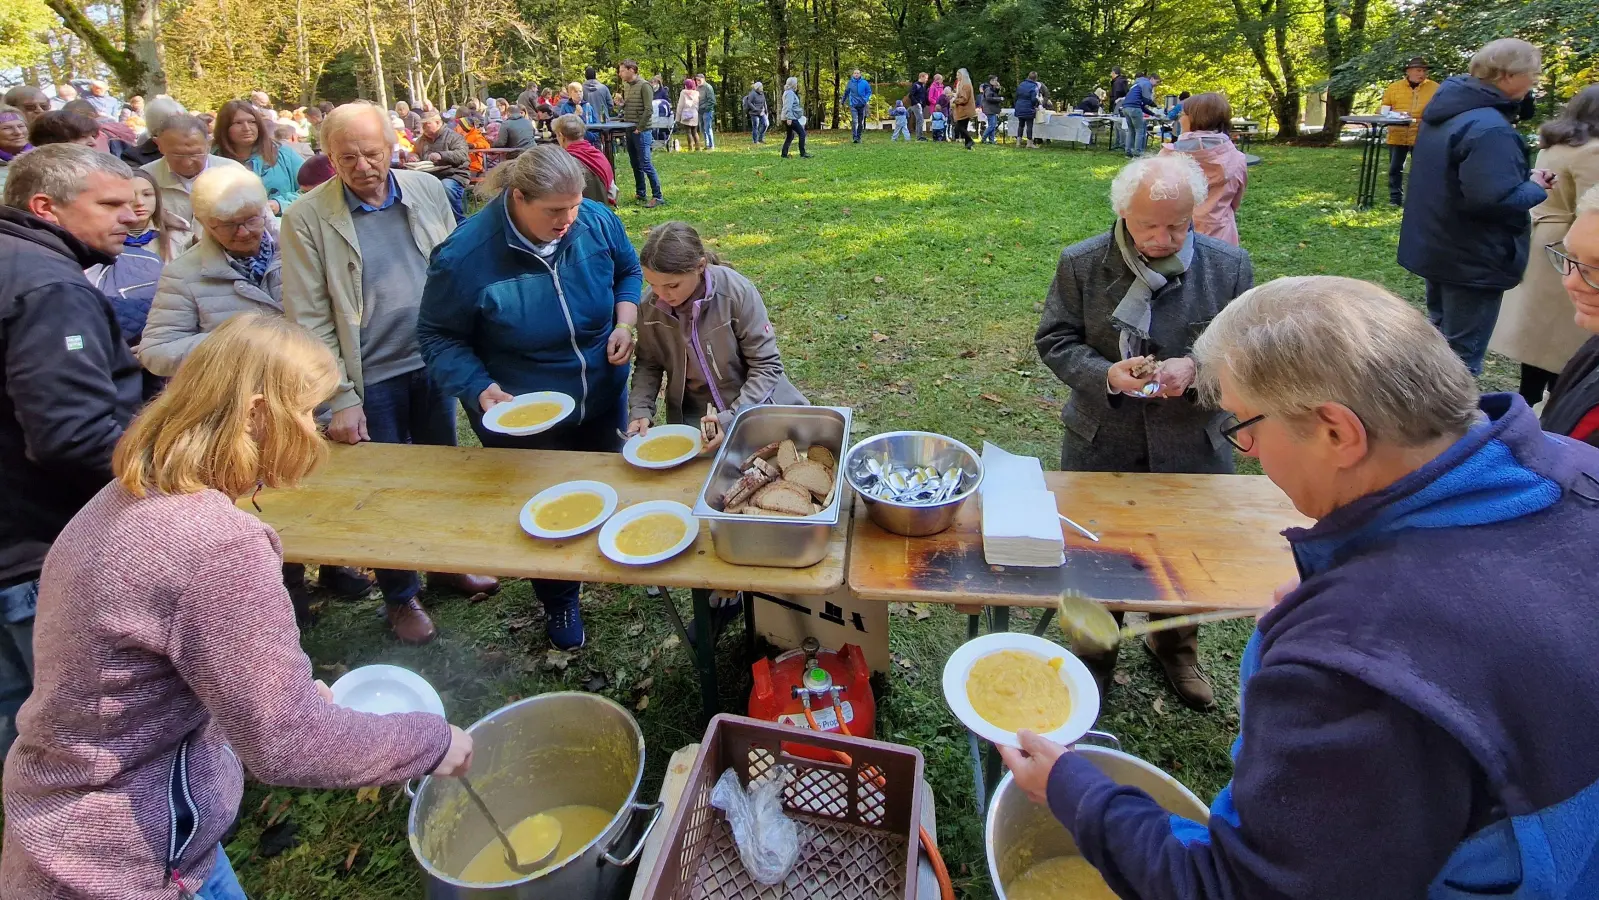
[1534, 382]
[793, 127]
[1024, 128]
[963, 131]
[1396, 172]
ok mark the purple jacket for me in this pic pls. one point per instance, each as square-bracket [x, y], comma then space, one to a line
[1419, 717]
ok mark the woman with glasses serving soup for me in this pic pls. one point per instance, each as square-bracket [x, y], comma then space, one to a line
[1573, 407]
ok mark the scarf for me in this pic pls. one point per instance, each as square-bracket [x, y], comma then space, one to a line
[139, 240]
[595, 161]
[6, 157]
[254, 268]
[1132, 316]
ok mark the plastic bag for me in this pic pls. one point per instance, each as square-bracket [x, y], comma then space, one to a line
[767, 839]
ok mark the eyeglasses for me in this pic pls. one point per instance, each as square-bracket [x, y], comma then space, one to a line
[1233, 431]
[1564, 264]
[254, 223]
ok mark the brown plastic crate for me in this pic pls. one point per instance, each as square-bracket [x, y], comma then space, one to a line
[857, 824]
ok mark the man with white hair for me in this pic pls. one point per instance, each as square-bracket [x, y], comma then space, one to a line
[260, 100]
[1466, 229]
[185, 153]
[355, 257]
[157, 113]
[68, 386]
[1418, 712]
[1118, 327]
[104, 103]
[65, 93]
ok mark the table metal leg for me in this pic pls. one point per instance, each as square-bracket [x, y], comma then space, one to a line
[978, 784]
[1370, 161]
[1043, 623]
[749, 626]
[672, 617]
[998, 619]
[705, 653]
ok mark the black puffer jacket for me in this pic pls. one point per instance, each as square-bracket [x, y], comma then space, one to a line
[1466, 219]
[68, 387]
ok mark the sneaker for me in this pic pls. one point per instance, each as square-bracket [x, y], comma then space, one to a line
[565, 626]
[654, 203]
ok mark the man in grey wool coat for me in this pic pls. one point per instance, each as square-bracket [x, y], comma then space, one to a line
[1118, 326]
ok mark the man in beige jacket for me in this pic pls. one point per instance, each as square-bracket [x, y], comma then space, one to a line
[364, 308]
[185, 153]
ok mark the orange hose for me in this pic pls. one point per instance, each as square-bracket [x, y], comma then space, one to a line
[946, 888]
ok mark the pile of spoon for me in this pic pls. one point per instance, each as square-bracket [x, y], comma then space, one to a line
[908, 485]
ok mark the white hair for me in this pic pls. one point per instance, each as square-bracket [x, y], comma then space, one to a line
[1161, 177]
[335, 123]
[1292, 345]
[223, 192]
[159, 111]
[1505, 58]
[791, 83]
[1589, 201]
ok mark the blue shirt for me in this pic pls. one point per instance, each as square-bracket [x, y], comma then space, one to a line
[356, 203]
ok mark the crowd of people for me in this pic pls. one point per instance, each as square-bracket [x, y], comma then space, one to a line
[217, 315]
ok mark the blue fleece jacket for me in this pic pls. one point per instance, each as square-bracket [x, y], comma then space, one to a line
[494, 312]
[1142, 96]
[1419, 717]
[858, 92]
[1466, 217]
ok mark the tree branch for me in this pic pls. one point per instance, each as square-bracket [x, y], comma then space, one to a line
[81, 25]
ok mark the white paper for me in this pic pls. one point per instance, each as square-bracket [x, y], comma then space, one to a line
[1005, 471]
[1021, 525]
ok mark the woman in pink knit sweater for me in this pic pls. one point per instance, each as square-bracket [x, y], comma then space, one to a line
[1205, 121]
[167, 656]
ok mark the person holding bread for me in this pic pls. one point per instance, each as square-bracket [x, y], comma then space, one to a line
[703, 328]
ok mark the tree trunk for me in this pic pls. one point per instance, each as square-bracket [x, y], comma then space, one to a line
[135, 60]
[374, 52]
[1288, 102]
[832, 22]
[417, 75]
[302, 56]
[779, 11]
[1341, 46]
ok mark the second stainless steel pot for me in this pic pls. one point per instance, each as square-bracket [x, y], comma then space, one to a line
[552, 750]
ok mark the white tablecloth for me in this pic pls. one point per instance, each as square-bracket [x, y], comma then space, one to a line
[1058, 126]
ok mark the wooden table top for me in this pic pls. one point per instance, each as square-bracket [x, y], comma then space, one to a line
[1168, 543]
[457, 509]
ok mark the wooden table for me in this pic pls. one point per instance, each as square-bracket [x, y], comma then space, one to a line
[456, 509]
[1168, 544]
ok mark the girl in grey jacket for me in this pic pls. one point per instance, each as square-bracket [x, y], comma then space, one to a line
[703, 327]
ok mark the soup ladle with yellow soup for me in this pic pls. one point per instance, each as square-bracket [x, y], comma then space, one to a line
[1015, 689]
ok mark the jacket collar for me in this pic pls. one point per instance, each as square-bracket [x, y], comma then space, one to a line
[51, 237]
[214, 264]
[166, 178]
[1503, 468]
[333, 207]
[514, 238]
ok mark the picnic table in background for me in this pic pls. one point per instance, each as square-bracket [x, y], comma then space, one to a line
[610, 132]
[1372, 140]
[457, 509]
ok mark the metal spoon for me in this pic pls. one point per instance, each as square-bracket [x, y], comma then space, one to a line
[1090, 626]
[511, 858]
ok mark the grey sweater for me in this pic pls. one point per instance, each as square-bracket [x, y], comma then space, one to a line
[1076, 339]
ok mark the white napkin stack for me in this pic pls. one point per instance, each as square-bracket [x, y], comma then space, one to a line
[1021, 526]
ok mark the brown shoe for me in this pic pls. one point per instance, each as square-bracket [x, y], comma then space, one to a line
[410, 622]
[470, 585]
[1177, 651]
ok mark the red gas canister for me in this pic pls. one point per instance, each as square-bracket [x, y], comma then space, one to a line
[832, 683]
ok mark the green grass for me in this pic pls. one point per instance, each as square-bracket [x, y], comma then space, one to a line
[905, 282]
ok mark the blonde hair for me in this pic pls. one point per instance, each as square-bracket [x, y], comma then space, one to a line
[1505, 58]
[205, 430]
[1295, 344]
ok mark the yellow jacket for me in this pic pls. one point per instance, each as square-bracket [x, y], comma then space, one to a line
[1406, 99]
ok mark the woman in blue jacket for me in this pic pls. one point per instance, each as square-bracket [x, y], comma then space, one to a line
[538, 291]
[1026, 110]
[243, 134]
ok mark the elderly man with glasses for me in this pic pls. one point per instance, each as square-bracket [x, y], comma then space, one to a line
[1417, 711]
[1118, 326]
[1573, 405]
[185, 147]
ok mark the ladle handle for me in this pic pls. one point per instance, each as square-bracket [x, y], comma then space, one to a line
[1136, 630]
[499, 832]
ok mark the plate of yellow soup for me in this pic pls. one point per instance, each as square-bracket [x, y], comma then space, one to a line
[649, 532]
[568, 509]
[1000, 684]
[663, 447]
[527, 414]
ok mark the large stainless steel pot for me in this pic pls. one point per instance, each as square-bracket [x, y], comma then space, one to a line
[1020, 833]
[552, 750]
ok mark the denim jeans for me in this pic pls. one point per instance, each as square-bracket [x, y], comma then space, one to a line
[992, 129]
[222, 884]
[1137, 133]
[1396, 172]
[918, 116]
[794, 127]
[901, 128]
[1465, 316]
[457, 193]
[407, 409]
[638, 156]
[707, 116]
[758, 126]
[857, 122]
[16, 656]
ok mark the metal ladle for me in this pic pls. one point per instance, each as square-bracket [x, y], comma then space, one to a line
[1089, 626]
[511, 857]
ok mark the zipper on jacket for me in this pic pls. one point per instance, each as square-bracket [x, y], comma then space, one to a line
[183, 815]
[571, 333]
[694, 338]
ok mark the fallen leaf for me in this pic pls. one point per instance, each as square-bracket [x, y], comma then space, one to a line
[897, 609]
[878, 337]
[596, 683]
[980, 431]
[368, 795]
[349, 859]
[645, 685]
[643, 703]
[670, 642]
[1123, 679]
[557, 660]
[844, 211]
[923, 613]
[878, 279]
[514, 625]
[1159, 706]
[993, 398]
[636, 629]
[968, 354]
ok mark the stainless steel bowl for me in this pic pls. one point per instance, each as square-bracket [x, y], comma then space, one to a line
[915, 448]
